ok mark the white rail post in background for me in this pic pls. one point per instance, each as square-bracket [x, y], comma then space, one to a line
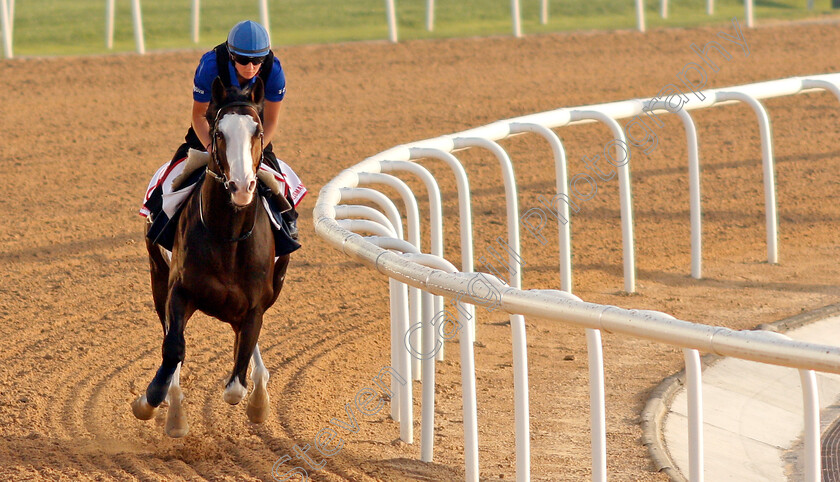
[517, 322]
[435, 216]
[12, 18]
[695, 207]
[663, 8]
[640, 15]
[6, 27]
[710, 7]
[196, 14]
[516, 15]
[768, 168]
[464, 213]
[624, 193]
[544, 12]
[391, 14]
[748, 6]
[430, 15]
[562, 183]
[137, 18]
[264, 16]
[109, 24]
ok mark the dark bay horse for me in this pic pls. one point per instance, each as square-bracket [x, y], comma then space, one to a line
[223, 261]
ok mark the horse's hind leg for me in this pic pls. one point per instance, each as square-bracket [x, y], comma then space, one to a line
[243, 347]
[258, 404]
[159, 271]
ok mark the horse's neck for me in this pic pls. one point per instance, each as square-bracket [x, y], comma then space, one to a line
[219, 214]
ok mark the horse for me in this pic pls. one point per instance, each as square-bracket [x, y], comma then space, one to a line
[222, 262]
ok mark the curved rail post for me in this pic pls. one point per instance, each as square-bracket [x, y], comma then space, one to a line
[695, 206]
[694, 392]
[400, 326]
[597, 395]
[398, 299]
[435, 215]
[624, 194]
[344, 211]
[464, 210]
[413, 222]
[821, 84]
[374, 196]
[517, 322]
[564, 224]
[467, 377]
[811, 415]
[767, 164]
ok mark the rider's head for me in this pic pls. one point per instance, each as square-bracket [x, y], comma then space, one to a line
[248, 44]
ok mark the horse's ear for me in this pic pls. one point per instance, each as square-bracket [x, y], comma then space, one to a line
[218, 91]
[257, 92]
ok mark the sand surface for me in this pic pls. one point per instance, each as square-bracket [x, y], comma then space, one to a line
[81, 136]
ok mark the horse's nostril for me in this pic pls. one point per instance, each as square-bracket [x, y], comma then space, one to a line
[233, 188]
[252, 185]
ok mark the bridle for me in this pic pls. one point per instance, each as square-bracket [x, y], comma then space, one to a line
[222, 178]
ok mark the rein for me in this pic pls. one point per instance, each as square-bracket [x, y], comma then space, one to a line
[231, 240]
[225, 182]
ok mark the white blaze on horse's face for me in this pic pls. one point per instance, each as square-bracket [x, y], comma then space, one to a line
[239, 131]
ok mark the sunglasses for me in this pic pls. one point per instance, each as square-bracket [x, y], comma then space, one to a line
[243, 60]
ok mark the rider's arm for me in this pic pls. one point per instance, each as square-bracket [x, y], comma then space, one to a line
[271, 116]
[199, 123]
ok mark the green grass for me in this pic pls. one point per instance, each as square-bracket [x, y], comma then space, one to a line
[77, 27]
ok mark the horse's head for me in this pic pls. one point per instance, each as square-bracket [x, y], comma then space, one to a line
[237, 136]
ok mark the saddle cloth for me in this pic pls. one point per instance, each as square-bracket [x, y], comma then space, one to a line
[163, 203]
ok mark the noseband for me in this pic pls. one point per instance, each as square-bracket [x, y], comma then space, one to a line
[222, 178]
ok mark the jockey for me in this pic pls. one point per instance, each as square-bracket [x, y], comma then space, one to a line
[238, 62]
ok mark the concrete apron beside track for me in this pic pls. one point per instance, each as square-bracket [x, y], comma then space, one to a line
[753, 419]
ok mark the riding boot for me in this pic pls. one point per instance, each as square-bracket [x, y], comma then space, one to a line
[290, 217]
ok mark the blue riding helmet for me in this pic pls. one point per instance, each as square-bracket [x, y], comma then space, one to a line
[248, 39]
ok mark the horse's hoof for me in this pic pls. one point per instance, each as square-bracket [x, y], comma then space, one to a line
[176, 416]
[258, 405]
[141, 408]
[235, 392]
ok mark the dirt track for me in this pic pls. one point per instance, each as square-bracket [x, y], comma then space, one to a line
[81, 136]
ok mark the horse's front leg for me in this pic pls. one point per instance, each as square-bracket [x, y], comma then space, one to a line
[243, 348]
[258, 402]
[166, 383]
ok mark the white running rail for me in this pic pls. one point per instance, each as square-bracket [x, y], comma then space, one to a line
[401, 262]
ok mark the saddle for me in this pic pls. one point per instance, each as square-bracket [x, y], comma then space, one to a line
[271, 191]
[198, 159]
